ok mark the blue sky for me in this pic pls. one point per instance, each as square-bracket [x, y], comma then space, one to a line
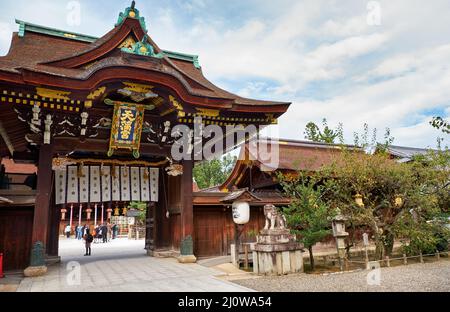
[321, 55]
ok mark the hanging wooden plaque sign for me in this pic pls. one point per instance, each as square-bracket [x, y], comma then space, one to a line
[126, 129]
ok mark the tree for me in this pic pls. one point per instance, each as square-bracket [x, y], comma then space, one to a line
[397, 199]
[327, 135]
[362, 139]
[441, 124]
[308, 216]
[214, 172]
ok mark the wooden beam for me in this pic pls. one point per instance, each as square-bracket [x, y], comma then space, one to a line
[68, 145]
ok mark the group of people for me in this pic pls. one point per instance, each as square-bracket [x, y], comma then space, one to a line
[101, 233]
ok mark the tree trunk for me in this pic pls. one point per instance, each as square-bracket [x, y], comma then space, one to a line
[379, 250]
[311, 258]
[389, 243]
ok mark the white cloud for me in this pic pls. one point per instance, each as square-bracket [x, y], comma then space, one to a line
[320, 54]
[5, 37]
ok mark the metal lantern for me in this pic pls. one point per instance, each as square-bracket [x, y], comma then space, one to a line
[116, 211]
[359, 200]
[241, 212]
[398, 201]
[63, 214]
[109, 211]
[88, 212]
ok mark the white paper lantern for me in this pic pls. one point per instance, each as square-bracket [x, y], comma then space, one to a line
[241, 212]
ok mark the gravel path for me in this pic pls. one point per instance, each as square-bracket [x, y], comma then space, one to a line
[415, 277]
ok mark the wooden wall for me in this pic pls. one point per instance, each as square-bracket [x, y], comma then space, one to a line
[214, 230]
[16, 228]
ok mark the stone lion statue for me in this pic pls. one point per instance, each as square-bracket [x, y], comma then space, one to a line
[274, 218]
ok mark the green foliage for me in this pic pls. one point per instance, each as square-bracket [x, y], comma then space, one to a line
[441, 124]
[380, 181]
[252, 233]
[362, 139]
[308, 215]
[327, 135]
[142, 207]
[214, 172]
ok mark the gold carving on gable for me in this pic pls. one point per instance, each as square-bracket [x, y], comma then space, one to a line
[137, 87]
[95, 94]
[53, 94]
[128, 43]
[175, 103]
[208, 112]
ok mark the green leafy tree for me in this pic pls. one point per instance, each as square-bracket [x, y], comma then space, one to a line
[441, 124]
[327, 135]
[308, 215]
[397, 199]
[213, 172]
[362, 139]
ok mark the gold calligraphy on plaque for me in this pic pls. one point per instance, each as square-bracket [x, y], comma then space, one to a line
[126, 127]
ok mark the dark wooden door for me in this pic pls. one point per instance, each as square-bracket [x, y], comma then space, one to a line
[209, 232]
[16, 226]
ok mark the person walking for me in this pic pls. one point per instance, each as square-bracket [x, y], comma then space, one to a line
[104, 233]
[114, 231]
[85, 229]
[88, 240]
[79, 231]
[67, 230]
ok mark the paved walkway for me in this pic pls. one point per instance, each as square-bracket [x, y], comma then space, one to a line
[122, 265]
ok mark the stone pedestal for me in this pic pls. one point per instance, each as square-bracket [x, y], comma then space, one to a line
[37, 263]
[276, 252]
[187, 259]
[187, 251]
[35, 271]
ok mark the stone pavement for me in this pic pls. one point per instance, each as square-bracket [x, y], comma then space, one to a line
[122, 265]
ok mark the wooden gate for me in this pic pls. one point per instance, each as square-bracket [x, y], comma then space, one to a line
[209, 232]
[16, 227]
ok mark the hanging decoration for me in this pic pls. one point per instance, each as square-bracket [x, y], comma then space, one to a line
[88, 213]
[89, 186]
[126, 129]
[63, 214]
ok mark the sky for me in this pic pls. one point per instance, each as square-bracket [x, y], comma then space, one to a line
[384, 63]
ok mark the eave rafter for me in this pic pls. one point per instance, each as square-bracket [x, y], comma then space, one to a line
[4, 135]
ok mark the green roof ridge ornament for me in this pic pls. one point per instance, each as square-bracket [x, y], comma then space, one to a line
[131, 12]
[21, 28]
[143, 48]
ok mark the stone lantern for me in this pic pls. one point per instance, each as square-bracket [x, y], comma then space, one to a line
[339, 233]
[240, 204]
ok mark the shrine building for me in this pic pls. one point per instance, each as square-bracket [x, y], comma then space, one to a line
[95, 116]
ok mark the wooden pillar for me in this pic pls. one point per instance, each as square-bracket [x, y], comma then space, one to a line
[187, 210]
[187, 215]
[44, 192]
[53, 229]
[150, 230]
